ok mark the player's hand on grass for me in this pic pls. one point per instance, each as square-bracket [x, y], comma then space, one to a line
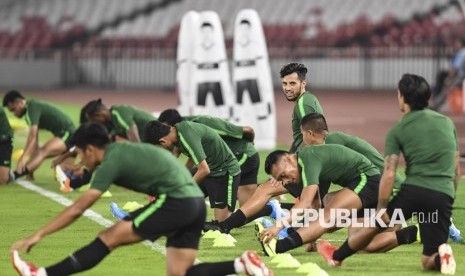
[268, 234]
[26, 244]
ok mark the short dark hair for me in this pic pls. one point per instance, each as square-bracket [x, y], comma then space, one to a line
[415, 90]
[170, 117]
[294, 67]
[89, 133]
[272, 158]
[154, 131]
[11, 96]
[93, 107]
[315, 122]
[83, 114]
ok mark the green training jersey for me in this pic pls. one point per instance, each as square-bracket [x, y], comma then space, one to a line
[305, 104]
[124, 116]
[231, 134]
[48, 117]
[363, 147]
[146, 169]
[428, 141]
[333, 164]
[6, 132]
[200, 142]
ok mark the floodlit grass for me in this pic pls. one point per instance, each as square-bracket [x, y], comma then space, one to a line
[24, 211]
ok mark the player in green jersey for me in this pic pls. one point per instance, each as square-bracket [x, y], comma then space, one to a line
[145, 169]
[39, 115]
[217, 169]
[429, 144]
[293, 80]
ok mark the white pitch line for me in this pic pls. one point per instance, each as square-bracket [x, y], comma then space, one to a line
[92, 215]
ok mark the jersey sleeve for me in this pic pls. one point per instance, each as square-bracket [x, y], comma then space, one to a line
[192, 143]
[391, 145]
[33, 115]
[123, 118]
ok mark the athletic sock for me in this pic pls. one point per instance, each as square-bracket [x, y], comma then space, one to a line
[83, 259]
[204, 269]
[407, 235]
[235, 220]
[343, 252]
[287, 206]
[292, 241]
[266, 211]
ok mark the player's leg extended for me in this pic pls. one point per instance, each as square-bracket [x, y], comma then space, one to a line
[342, 199]
[262, 195]
[53, 147]
[89, 256]
[245, 192]
[255, 207]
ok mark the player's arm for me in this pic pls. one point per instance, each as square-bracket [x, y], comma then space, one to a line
[203, 170]
[387, 180]
[248, 133]
[62, 157]
[133, 133]
[67, 217]
[309, 199]
[189, 164]
[32, 143]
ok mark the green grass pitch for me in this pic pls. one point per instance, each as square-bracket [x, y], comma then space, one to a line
[24, 211]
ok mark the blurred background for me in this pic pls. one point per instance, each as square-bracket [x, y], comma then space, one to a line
[131, 44]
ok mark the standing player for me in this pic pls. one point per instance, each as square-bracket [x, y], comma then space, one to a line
[39, 115]
[218, 171]
[146, 169]
[293, 80]
[428, 141]
[6, 147]
[239, 140]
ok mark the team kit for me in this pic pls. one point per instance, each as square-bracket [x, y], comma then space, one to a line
[337, 180]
